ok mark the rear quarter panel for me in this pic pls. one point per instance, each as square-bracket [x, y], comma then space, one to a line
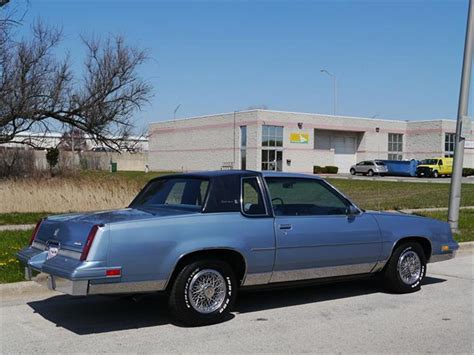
[149, 250]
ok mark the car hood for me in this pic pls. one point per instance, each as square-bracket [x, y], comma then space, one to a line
[406, 224]
[425, 166]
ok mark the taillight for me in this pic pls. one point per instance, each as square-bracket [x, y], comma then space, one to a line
[35, 231]
[113, 272]
[90, 240]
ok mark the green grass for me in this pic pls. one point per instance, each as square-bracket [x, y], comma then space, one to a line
[387, 195]
[466, 223]
[10, 243]
[22, 218]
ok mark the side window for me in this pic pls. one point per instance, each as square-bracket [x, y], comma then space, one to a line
[440, 162]
[304, 197]
[252, 199]
[176, 194]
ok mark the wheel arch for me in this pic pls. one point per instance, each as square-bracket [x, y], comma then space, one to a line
[231, 256]
[424, 242]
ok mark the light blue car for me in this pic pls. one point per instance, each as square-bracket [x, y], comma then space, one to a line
[201, 237]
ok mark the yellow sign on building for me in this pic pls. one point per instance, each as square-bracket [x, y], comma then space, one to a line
[299, 138]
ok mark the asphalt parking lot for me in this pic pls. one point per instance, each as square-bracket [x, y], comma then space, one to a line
[440, 180]
[346, 317]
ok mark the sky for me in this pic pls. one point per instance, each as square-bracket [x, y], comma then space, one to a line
[393, 59]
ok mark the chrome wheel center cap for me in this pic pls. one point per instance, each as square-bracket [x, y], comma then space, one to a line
[209, 292]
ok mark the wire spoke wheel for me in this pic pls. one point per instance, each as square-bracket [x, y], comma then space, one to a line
[207, 291]
[409, 267]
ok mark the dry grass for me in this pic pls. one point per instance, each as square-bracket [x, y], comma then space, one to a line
[63, 194]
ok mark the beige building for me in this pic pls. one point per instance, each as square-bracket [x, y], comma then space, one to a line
[295, 142]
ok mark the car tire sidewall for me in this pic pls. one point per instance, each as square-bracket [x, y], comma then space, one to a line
[179, 297]
[393, 279]
[435, 174]
[370, 173]
[352, 171]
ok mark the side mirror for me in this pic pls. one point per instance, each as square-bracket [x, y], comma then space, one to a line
[352, 211]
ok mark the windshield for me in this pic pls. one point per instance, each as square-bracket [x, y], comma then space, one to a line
[429, 162]
[181, 193]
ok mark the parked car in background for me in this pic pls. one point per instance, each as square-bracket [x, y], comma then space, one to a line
[370, 168]
[435, 167]
[200, 237]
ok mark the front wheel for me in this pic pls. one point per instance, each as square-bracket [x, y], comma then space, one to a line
[352, 171]
[203, 292]
[435, 174]
[405, 269]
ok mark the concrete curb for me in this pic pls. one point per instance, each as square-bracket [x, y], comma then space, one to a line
[27, 288]
[16, 227]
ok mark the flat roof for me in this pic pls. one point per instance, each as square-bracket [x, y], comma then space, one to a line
[298, 113]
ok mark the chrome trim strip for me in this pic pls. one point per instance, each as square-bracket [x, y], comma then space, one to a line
[442, 257]
[70, 253]
[38, 245]
[260, 278]
[127, 287]
[321, 272]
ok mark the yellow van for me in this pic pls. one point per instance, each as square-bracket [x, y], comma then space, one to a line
[435, 167]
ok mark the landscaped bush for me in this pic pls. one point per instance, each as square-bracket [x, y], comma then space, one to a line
[325, 169]
[317, 169]
[331, 169]
[467, 172]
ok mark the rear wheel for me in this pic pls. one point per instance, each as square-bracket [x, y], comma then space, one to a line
[405, 269]
[203, 292]
[352, 171]
[370, 173]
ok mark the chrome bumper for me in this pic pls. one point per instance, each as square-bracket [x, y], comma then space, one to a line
[442, 257]
[84, 287]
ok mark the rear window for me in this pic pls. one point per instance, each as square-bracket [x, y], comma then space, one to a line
[381, 163]
[188, 193]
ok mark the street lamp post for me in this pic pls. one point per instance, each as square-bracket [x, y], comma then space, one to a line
[334, 78]
[456, 178]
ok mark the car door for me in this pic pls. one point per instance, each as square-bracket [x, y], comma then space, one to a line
[315, 238]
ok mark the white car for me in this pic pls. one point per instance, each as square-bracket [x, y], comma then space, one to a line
[370, 168]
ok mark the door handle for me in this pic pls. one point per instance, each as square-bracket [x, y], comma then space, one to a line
[285, 226]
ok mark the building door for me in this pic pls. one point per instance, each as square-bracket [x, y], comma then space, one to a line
[344, 153]
[272, 159]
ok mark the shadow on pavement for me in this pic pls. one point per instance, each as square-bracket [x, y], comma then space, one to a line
[101, 314]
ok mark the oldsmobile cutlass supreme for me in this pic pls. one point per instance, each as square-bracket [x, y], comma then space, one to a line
[201, 237]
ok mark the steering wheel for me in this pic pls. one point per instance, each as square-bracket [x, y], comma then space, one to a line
[278, 199]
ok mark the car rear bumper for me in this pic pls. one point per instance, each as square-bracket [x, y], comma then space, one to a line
[92, 287]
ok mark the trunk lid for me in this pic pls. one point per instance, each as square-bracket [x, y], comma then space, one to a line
[71, 230]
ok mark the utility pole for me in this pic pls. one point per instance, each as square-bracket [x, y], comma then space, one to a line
[176, 110]
[233, 164]
[456, 178]
[334, 82]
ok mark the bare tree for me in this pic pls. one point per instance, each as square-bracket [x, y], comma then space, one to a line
[40, 92]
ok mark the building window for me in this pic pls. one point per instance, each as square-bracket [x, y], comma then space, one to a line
[395, 146]
[243, 147]
[449, 143]
[272, 153]
[272, 136]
